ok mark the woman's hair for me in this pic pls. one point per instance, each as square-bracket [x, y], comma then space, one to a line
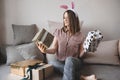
[73, 20]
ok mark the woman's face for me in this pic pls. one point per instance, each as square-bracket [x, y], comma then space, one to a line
[66, 19]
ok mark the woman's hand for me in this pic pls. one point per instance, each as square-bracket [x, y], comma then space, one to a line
[50, 50]
[41, 47]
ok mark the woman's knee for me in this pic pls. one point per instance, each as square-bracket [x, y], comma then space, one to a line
[72, 62]
[58, 66]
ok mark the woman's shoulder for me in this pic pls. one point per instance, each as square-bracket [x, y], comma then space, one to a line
[58, 30]
[79, 33]
[79, 36]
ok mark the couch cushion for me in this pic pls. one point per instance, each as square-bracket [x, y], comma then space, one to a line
[106, 53]
[13, 55]
[29, 51]
[23, 33]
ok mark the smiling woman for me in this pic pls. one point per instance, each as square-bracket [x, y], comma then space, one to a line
[67, 44]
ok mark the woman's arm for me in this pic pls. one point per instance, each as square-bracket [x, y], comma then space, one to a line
[81, 51]
[51, 50]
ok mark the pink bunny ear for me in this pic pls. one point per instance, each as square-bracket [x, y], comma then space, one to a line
[72, 5]
[64, 6]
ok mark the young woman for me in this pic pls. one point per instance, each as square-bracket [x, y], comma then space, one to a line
[68, 46]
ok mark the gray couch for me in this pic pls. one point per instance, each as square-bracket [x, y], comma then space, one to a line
[104, 63]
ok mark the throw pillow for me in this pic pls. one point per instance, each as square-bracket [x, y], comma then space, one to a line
[106, 53]
[13, 55]
[23, 33]
[54, 25]
[29, 51]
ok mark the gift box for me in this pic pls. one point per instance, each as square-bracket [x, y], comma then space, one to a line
[92, 41]
[18, 68]
[41, 73]
[43, 37]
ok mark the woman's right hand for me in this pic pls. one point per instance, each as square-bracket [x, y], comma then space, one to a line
[41, 47]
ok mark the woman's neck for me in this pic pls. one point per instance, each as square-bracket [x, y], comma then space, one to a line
[68, 30]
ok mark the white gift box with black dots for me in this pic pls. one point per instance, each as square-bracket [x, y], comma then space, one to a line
[92, 41]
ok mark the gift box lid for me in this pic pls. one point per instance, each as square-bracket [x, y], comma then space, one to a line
[26, 63]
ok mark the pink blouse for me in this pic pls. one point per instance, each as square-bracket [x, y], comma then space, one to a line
[68, 45]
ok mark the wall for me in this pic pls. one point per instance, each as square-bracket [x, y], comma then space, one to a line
[96, 14]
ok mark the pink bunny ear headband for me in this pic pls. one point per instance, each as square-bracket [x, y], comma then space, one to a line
[72, 7]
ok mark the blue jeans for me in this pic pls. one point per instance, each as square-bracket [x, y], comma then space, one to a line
[70, 68]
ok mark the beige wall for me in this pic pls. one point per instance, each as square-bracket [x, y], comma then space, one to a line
[96, 14]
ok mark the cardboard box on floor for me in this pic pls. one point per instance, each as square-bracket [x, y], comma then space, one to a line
[38, 74]
[45, 71]
[18, 68]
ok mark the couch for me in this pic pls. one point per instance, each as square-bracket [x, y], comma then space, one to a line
[104, 63]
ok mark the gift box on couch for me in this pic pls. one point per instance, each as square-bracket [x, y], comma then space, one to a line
[18, 68]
